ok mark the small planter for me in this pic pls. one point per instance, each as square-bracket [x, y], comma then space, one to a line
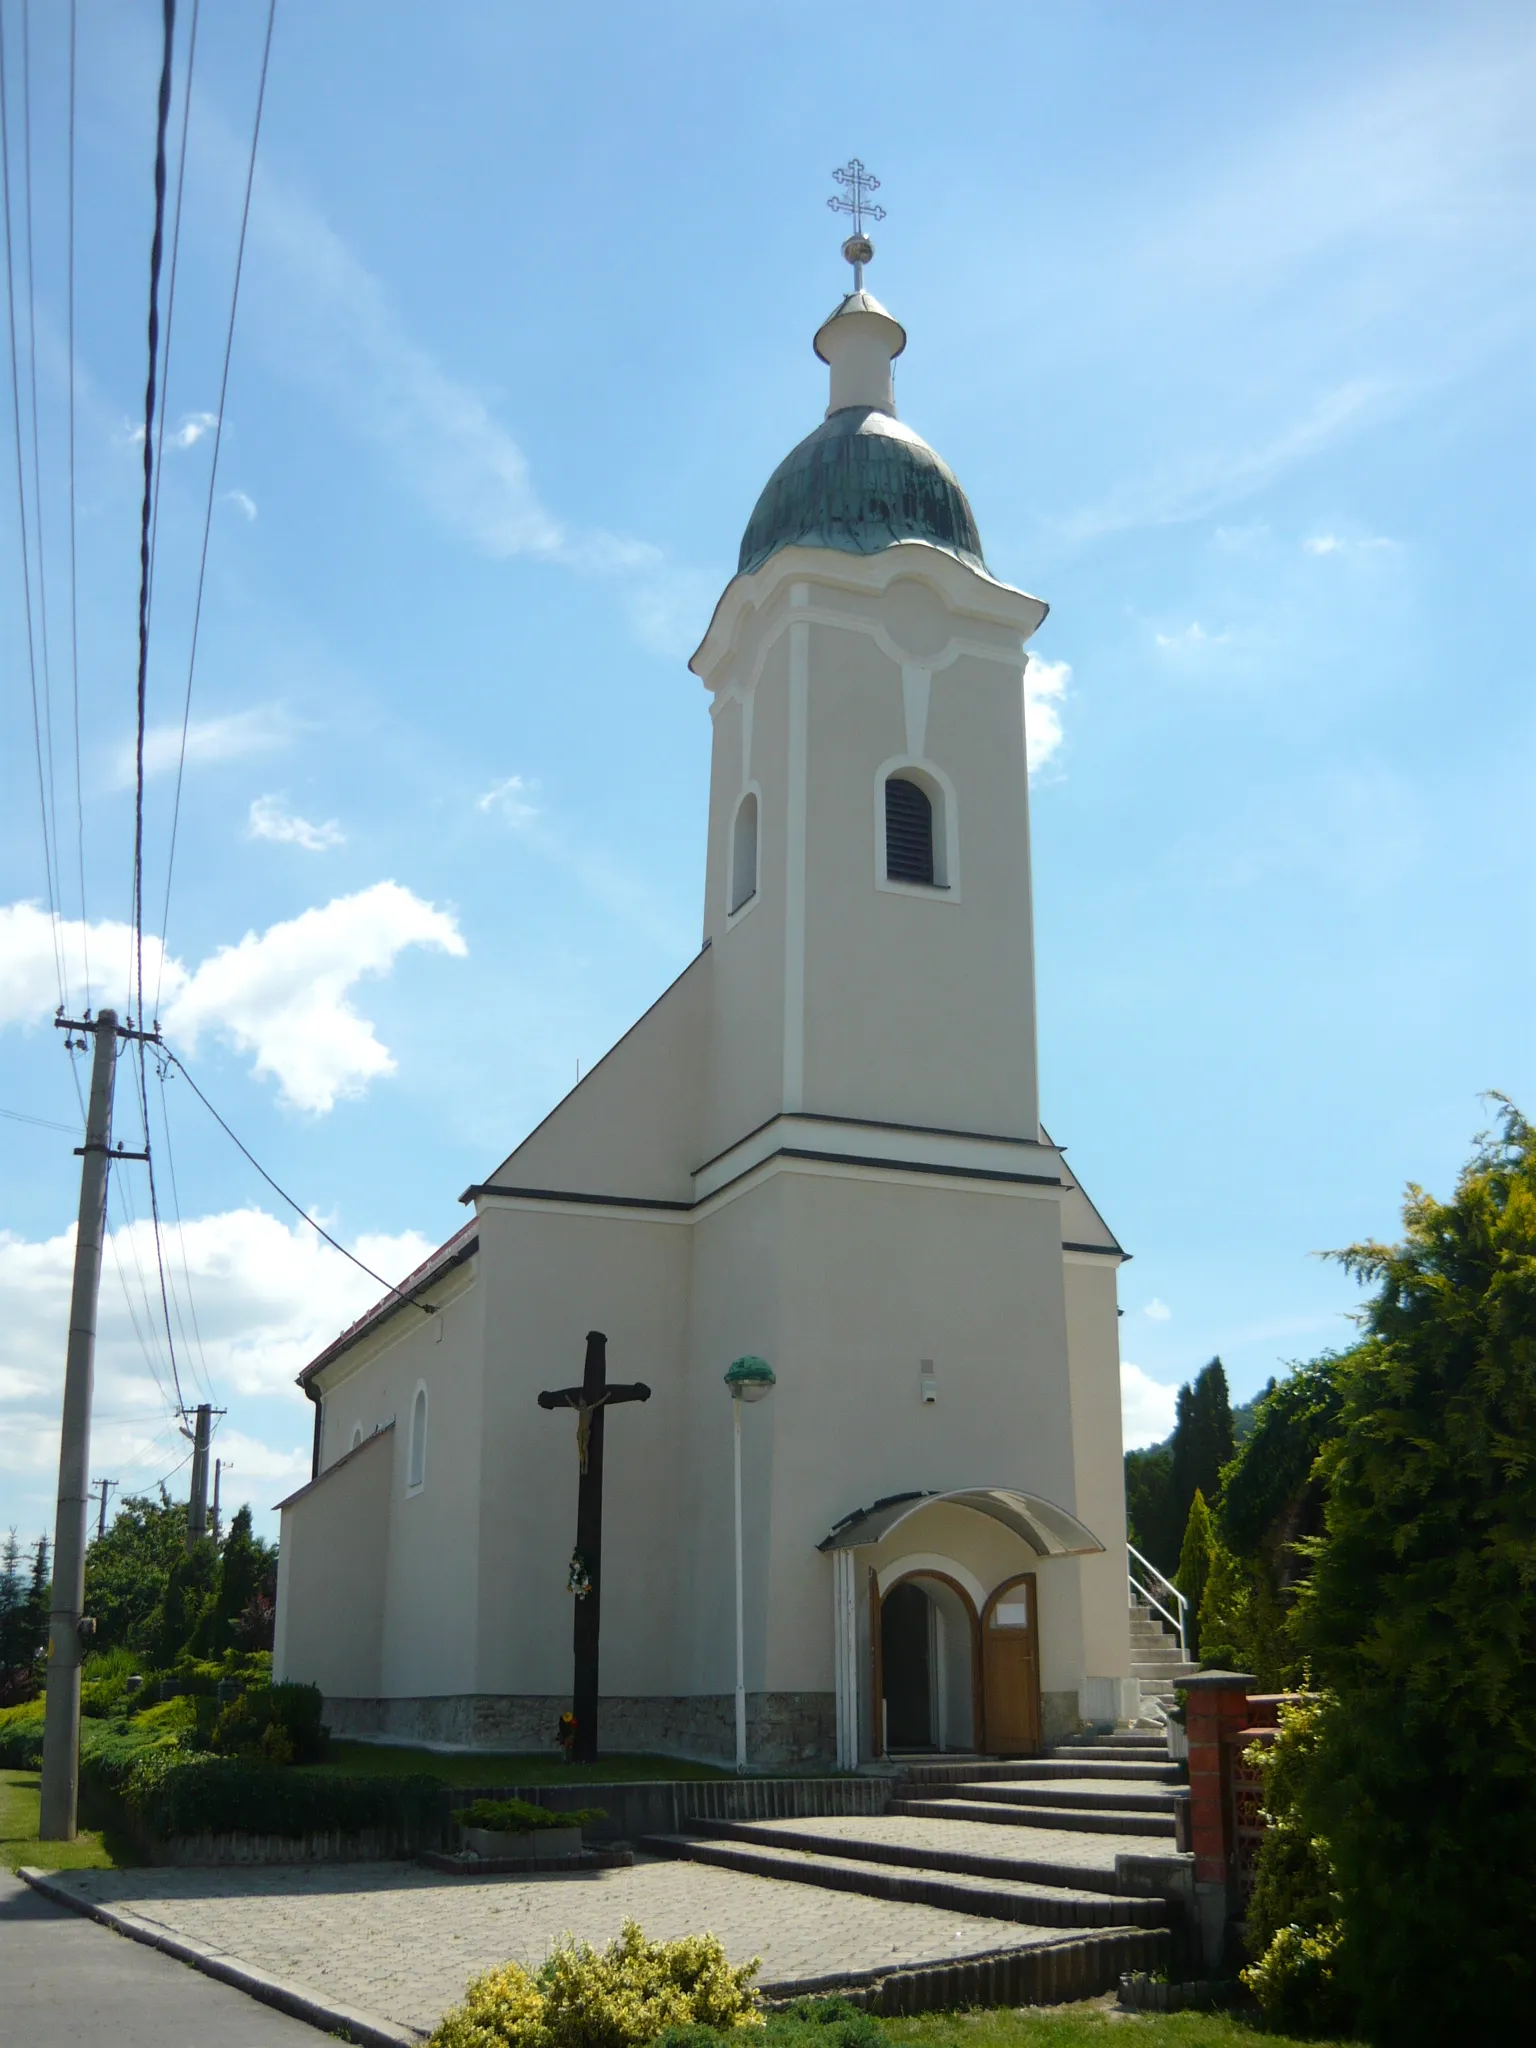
[542, 1845]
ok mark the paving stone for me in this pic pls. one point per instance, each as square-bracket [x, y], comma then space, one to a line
[402, 1942]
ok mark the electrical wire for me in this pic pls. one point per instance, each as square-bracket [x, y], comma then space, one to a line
[74, 610]
[213, 476]
[37, 466]
[21, 506]
[170, 306]
[426, 1307]
[44, 1123]
[156, 257]
[181, 1240]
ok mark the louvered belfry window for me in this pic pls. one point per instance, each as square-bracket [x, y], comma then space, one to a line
[908, 833]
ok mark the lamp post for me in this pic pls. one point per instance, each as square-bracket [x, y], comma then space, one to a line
[749, 1379]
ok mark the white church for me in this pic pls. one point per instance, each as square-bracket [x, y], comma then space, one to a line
[821, 1147]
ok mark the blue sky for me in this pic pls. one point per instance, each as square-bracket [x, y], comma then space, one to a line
[1223, 317]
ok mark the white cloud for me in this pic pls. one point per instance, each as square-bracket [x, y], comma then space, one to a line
[1190, 637]
[511, 800]
[241, 502]
[281, 994]
[1158, 1311]
[1045, 687]
[192, 429]
[268, 1297]
[1333, 544]
[1146, 1407]
[335, 326]
[230, 738]
[28, 980]
[269, 820]
[1199, 480]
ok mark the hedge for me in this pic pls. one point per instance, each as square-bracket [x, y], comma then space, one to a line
[172, 1791]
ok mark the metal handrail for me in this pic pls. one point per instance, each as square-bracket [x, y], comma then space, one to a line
[1177, 1622]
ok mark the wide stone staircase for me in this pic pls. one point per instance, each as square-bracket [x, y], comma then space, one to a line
[1079, 1839]
[1156, 1659]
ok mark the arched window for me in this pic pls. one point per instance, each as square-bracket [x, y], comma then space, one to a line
[357, 1435]
[908, 832]
[744, 853]
[416, 1469]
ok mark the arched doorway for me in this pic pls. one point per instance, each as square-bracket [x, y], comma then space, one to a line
[927, 1665]
[1010, 1668]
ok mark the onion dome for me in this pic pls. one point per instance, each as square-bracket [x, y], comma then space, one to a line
[863, 480]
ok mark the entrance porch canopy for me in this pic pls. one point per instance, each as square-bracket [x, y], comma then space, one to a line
[1048, 1530]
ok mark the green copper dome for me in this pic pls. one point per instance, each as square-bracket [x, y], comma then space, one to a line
[860, 483]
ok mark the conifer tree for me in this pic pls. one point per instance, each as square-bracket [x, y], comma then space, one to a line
[1195, 1566]
[1420, 1616]
[15, 1666]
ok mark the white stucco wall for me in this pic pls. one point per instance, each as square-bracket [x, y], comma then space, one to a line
[332, 1570]
[556, 1273]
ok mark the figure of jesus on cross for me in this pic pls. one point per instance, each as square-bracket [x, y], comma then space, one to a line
[589, 1400]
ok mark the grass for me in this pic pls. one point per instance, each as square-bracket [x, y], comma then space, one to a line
[491, 1769]
[18, 1834]
[1085, 2026]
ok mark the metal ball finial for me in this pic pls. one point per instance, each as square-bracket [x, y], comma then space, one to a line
[859, 250]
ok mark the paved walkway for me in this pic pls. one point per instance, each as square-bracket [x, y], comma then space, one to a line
[67, 1983]
[401, 1942]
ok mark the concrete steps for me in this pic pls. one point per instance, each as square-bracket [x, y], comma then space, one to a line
[804, 1858]
[1094, 1797]
[1104, 1821]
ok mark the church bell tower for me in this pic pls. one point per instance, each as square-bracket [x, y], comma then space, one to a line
[867, 896]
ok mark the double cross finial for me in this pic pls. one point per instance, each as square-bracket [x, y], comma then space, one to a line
[854, 199]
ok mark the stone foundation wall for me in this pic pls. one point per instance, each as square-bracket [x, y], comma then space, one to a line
[783, 1728]
[1059, 1717]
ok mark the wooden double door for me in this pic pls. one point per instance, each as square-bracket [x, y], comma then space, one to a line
[1005, 1667]
[1010, 1669]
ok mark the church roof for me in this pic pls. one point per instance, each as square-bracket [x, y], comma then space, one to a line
[463, 1244]
[860, 483]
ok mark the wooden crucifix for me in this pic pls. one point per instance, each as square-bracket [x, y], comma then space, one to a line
[589, 1401]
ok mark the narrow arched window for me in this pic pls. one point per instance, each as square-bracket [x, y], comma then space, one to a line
[908, 832]
[416, 1470]
[744, 853]
[357, 1434]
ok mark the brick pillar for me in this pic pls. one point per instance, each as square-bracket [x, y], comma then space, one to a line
[1217, 1705]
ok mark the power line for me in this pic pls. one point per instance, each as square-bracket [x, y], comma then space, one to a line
[170, 301]
[74, 610]
[426, 1307]
[181, 1240]
[37, 468]
[43, 1123]
[213, 473]
[156, 256]
[21, 502]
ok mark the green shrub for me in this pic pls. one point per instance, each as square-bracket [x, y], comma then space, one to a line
[279, 1722]
[1293, 1916]
[170, 1790]
[517, 1816]
[807, 2023]
[1296, 1982]
[21, 1736]
[623, 1996]
[824, 2023]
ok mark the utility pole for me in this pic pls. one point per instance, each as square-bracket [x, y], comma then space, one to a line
[66, 1648]
[220, 1465]
[197, 1504]
[107, 1486]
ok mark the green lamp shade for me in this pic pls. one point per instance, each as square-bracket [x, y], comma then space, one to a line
[749, 1379]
